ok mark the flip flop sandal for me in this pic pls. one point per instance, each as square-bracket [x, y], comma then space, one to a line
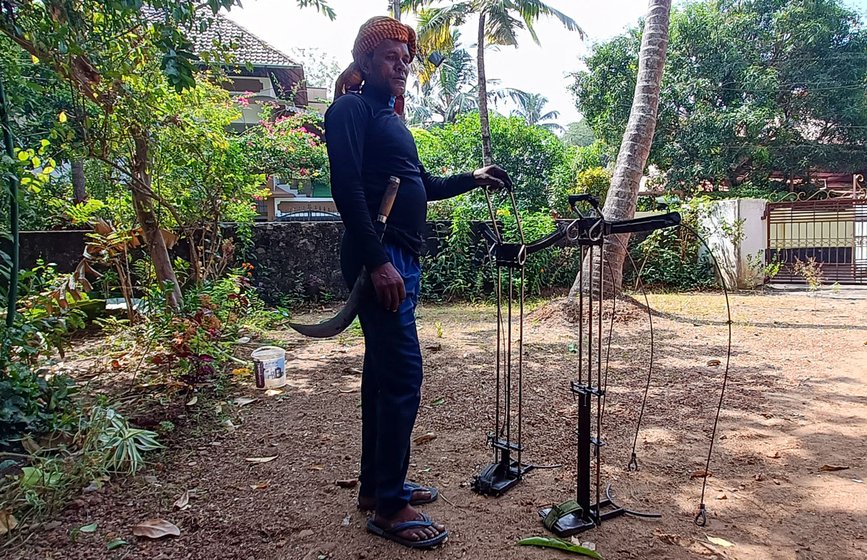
[392, 533]
[434, 494]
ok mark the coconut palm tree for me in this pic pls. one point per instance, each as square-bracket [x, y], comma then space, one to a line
[499, 23]
[531, 108]
[635, 146]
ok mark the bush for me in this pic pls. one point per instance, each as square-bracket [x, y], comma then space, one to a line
[462, 269]
[530, 154]
[31, 404]
[674, 258]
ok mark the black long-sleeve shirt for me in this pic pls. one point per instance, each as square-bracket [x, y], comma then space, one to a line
[367, 142]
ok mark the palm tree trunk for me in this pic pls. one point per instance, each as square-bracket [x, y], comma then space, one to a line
[147, 218]
[483, 96]
[635, 147]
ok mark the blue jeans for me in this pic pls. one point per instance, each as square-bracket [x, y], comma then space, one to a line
[390, 389]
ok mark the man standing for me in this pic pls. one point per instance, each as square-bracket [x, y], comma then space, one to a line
[367, 143]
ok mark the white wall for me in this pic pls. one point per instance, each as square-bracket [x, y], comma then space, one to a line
[720, 220]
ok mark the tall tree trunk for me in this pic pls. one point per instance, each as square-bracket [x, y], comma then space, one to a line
[79, 189]
[635, 147]
[483, 96]
[395, 9]
[144, 211]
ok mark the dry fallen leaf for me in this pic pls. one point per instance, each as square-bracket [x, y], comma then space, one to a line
[30, 445]
[244, 401]
[193, 401]
[260, 485]
[7, 522]
[273, 392]
[701, 474]
[183, 501]
[260, 459]
[425, 438]
[713, 363]
[720, 542]
[156, 529]
[832, 468]
[353, 371]
[347, 483]
[115, 364]
[434, 347]
[355, 390]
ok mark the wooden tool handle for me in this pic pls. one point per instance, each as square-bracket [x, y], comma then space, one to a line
[388, 199]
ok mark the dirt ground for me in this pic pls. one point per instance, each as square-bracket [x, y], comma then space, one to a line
[796, 402]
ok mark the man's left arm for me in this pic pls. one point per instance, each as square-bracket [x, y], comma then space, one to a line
[439, 188]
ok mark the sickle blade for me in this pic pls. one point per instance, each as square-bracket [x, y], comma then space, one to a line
[344, 318]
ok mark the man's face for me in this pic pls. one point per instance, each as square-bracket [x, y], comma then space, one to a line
[388, 67]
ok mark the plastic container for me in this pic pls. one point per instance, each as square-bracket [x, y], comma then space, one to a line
[269, 367]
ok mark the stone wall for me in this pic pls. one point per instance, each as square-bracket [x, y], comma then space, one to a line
[293, 261]
[63, 248]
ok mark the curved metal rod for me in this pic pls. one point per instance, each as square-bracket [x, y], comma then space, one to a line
[542, 243]
[701, 517]
[633, 458]
[646, 515]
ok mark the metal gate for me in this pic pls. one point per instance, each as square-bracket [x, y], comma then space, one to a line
[832, 232]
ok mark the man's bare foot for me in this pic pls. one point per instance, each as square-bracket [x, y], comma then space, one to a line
[409, 513]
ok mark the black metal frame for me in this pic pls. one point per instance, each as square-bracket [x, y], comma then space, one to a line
[589, 233]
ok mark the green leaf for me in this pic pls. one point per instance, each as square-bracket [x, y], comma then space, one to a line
[560, 544]
[32, 477]
[438, 401]
[115, 543]
[91, 528]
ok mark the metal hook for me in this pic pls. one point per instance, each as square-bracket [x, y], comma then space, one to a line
[701, 517]
[633, 463]
[595, 232]
[572, 231]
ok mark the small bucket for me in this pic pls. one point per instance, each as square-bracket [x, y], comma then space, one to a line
[269, 366]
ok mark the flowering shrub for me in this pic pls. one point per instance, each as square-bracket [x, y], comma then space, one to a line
[288, 147]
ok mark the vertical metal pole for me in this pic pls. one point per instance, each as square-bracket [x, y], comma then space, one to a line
[598, 447]
[521, 374]
[581, 316]
[508, 386]
[12, 181]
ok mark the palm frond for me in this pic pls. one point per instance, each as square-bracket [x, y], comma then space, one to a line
[435, 33]
[551, 127]
[500, 27]
[415, 5]
[532, 10]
